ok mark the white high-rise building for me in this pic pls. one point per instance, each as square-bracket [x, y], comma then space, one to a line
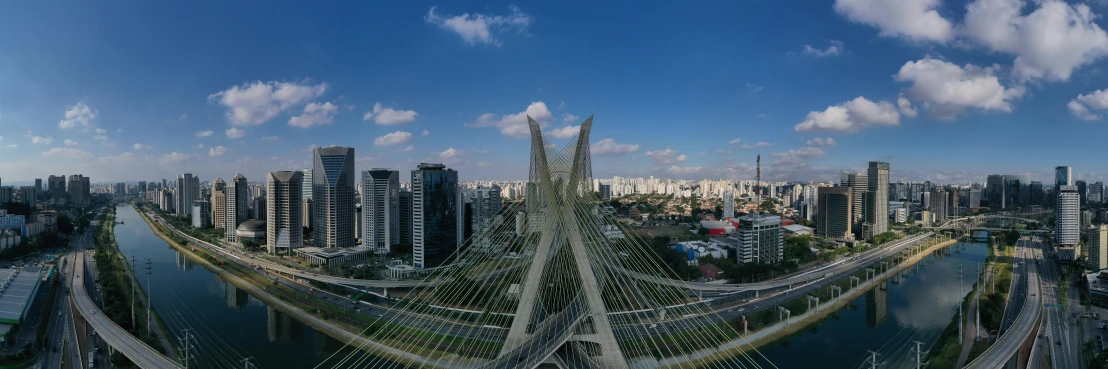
[1067, 223]
[728, 204]
[284, 226]
[1098, 247]
[380, 209]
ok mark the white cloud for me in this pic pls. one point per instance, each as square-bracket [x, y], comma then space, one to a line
[315, 114]
[756, 145]
[515, 125]
[258, 102]
[561, 104]
[139, 146]
[946, 89]
[836, 48]
[820, 141]
[452, 156]
[481, 28]
[204, 133]
[1084, 104]
[199, 146]
[406, 149]
[564, 132]
[77, 114]
[234, 133]
[217, 151]
[39, 140]
[484, 164]
[174, 157]
[68, 153]
[69, 142]
[1050, 42]
[850, 116]
[609, 146]
[906, 108]
[798, 157]
[183, 117]
[676, 170]
[395, 138]
[735, 141]
[916, 20]
[101, 138]
[425, 133]
[754, 88]
[567, 117]
[12, 146]
[270, 139]
[665, 156]
[389, 116]
[101, 131]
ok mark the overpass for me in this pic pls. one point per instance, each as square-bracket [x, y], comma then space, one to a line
[119, 339]
[1009, 343]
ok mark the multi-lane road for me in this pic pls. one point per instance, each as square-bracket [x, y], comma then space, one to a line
[1060, 326]
[1024, 315]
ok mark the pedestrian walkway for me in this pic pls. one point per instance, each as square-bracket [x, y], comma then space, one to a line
[972, 330]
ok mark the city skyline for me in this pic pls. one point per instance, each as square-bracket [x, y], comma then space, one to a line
[843, 87]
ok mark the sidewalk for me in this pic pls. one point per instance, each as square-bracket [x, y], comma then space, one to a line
[972, 330]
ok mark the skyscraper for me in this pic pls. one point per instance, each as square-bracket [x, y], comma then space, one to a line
[811, 202]
[380, 209]
[38, 184]
[605, 191]
[728, 204]
[78, 189]
[236, 205]
[1063, 176]
[940, 201]
[835, 209]
[1067, 221]
[284, 228]
[1096, 193]
[307, 183]
[1083, 192]
[405, 217]
[1098, 247]
[201, 213]
[436, 213]
[219, 203]
[877, 208]
[761, 239]
[56, 189]
[333, 197]
[486, 204]
[858, 184]
[188, 190]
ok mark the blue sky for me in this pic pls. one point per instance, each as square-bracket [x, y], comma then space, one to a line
[943, 90]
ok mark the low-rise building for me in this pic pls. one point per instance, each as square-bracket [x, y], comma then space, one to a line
[47, 217]
[695, 250]
[253, 230]
[31, 229]
[761, 239]
[11, 221]
[333, 257]
[1068, 253]
[1097, 284]
[9, 239]
[799, 230]
[711, 271]
[717, 227]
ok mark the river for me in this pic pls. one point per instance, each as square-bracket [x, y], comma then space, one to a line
[228, 325]
[887, 319]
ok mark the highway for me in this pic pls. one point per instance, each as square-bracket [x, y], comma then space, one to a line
[1008, 343]
[61, 333]
[139, 352]
[1060, 326]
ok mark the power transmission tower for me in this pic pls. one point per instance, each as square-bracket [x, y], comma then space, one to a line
[919, 354]
[149, 292]
[247, 364]
[873, 360]
[133, 280]
[187, 342]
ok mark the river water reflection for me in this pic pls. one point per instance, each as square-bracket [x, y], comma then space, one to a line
[887, 319]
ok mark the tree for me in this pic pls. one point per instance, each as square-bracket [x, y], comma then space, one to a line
[17, 208]
[702, 231]
[65, 226]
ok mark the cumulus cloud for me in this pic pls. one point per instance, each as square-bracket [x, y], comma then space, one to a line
[425, 133]
[756, 145]
[820, 141]
[77, 114]
[234, 133]
[798, 157]
[138, 146]
[481, 28]
[452, 156]
[315, 114]
[395, 138]
[406, 149]
[39, 140]
[515, 125]
[916, 20]
[946, 89]
[258, 102]
[735, 141]
[906, 108]
[666, 156]
[204, 133]
[609, 146]
[850, 116]
[174, 157]
[389, 116]
[1084, 105]
[217, 151]
[564, 132]
[835, 48]
[1050, 42]
[68, 153]
[69, 142]
[567, 117]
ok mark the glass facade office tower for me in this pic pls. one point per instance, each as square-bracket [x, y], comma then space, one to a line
[380, 209]
[333, 197]
[436, 215]
[858, 184]
[219, 203]
[284, 228]
[877, 206]
[236, 207]
[1063, 176]
[405, 217]
[833, 217]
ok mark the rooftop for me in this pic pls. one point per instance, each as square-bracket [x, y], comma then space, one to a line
[16, 292]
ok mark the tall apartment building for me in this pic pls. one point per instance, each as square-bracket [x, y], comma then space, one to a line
[188, 190]
[405, 223]
[1067, 221]
[1096, 193]
[28, 195]
[38, 184]
[811, 202]
[728, 204]
[940, 201]
[834, 213]
[236, 207]
[761, 239]
[78, 189]
[605, 191]
[859, 185]
[284, 198]
[436, 215]
[306, 184]
[219, 203]
[380, 209]
[56, 189]
[1098, 247]
[877, 208]
[333, 197]
[486, 204]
